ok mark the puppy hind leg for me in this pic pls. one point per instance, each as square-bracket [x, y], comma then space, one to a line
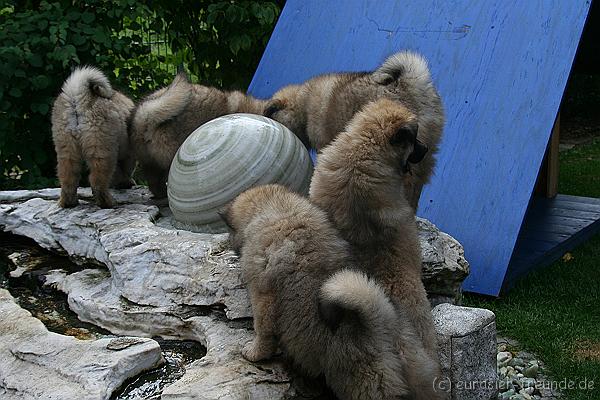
[122, 178]
[101, 173]
[264, 344]
[69, 171]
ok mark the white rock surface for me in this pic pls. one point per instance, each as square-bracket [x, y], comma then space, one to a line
[221, 374]
[38, 364]
[155, 280]
[149, 264]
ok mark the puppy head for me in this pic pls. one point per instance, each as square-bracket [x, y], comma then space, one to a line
[387, 130]
[244, 208]
[286, 107]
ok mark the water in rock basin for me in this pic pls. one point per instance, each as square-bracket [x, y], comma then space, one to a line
[149, 385]
[51, 307]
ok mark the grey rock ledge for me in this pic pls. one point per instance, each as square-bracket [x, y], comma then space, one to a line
[155, 280]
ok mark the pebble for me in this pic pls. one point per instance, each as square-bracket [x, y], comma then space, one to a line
[528, 382]
[516, 362]
[532, 371]
[528, 391]
[519, 374]
[506, 395]
[503, 357]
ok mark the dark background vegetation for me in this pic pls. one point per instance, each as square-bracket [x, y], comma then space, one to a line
[139, 45]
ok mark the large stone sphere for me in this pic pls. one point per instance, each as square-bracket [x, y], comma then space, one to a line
[226, 156]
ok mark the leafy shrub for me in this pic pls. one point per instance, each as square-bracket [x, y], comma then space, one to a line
[38, 49]
[219, 42]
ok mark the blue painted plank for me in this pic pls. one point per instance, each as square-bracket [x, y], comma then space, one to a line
[561, 212]
[547, 236]
[501, 67]
[536, 248]
[577, 199]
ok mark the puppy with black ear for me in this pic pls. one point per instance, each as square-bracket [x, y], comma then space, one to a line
[329, 320]
[360, 182]
[287, 107]
[320, 108]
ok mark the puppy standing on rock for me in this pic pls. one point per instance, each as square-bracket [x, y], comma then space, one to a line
[89, 122]
[163, 120]
[320, 108]
[358, 182]
[327, 319]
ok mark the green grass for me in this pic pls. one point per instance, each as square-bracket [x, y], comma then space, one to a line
[555, 312]
[580, 171]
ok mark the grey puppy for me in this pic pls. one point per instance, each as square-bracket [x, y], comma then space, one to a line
[318, 110]
[89, 123]
[358, 182]
[329, 320]
[163, 120]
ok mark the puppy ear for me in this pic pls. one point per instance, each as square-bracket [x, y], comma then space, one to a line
[418, 152]
[272, 107]
[224, 214]
[385, 78]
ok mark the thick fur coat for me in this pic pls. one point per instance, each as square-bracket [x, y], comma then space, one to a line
[318, 110]
[328, 319]
[358, 182]
[89, 123]
[163, 120]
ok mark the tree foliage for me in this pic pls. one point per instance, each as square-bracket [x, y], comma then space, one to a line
[219, 42]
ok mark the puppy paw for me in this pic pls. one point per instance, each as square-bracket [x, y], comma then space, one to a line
[67, 203]
[253, 353]
[104, 200]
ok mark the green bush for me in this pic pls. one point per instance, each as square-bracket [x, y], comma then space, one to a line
[219, 42]
[39, 45]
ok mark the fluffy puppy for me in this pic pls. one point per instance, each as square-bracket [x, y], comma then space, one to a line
[163, 120]
[322, 106]
[327, 319]
[89, 123]
[358, 182]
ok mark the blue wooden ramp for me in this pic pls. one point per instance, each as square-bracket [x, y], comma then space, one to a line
[501, 67]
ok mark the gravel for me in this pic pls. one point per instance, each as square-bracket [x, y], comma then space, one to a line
[521, 374]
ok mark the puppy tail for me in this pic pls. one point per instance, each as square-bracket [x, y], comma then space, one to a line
[157, 109]
[407, 66]
[351, 297]
[86, 82]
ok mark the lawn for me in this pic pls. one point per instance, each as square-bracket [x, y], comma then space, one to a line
[555, 312]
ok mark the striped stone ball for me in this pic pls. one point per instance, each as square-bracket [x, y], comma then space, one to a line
[227, 156]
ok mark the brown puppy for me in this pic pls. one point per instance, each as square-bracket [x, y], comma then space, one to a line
[321, 107]
[89, 122]
[358, 182]
[328, 320]
[163, 120]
